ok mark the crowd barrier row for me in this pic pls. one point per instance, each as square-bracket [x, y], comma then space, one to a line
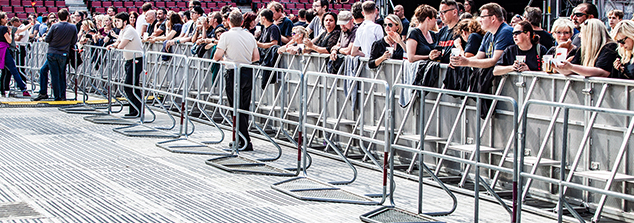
[355, 115]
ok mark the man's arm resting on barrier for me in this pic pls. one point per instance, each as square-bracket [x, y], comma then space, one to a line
[219, 53]
[478, 60]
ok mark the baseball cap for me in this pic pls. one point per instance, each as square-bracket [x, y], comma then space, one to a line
[344, 17]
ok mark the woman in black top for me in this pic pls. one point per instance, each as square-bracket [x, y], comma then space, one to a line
[421, 40]
[526, 44]
[379, 53]
[471, 34]
[623, 33]
[326, 40]
[9, 63]
[596, 54]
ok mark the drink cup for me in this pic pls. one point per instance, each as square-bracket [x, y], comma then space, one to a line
[146, 35]
[455, 52]
[547, 66]
[520, 58]
[300, 45]
[258, 28]
[561, 54]
[390, 49]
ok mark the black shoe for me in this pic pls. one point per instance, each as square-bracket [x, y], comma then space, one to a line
[248, 148]
[135, 114]
[60, 99]
[40, 97]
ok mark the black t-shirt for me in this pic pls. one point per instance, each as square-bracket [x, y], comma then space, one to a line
[303, 24]
[445, 40]
[178, 28]
[628, 72]
[545, 39]
[423, 47]
[271, 33]
[605, 59]
[405, 24]
[150, 28]
[3, 30]
[473, 43]
[378, 49]
[286, 27]
[533, 61]
[328, 40]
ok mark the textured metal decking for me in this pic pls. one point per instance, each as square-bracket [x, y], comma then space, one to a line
[57, 167]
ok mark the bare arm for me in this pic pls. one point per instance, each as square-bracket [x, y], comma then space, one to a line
[267, 45]
[411, 51]
[481, 62]
[502, 70]
[356, 52]
[219, 53]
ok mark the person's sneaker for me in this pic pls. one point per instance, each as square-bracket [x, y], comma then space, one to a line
[248, 148]
[26, 94]
[40, 97]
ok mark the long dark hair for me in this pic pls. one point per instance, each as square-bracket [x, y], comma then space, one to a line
[324, 19]
[175, 19]
[526, 26]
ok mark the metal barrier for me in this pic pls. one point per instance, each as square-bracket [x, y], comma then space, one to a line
[563, 154]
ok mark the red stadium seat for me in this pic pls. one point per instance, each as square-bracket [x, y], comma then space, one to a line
[117, 4]
[7, 9]
[17, 9]
[106, 4]
[22, 15]
[181, 4]
[5, 3]
[29, 10]
[100, 10]
[160, 4]
[170, 5]
[128, 4]
[138, 4]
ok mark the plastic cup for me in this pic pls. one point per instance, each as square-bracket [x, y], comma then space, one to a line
[560, 54]
[520, 58]
[547, 66]
[146, 35]
[390, 49]
[258, 28]
[455, 52]
[300, 45]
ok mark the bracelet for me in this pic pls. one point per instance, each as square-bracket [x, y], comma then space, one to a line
[178, 41]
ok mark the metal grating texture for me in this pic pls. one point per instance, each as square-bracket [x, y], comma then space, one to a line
[308, 189]
[144, 131]
[236, 164]
[108, 120]
[390, 214]
[83, 110]
[13, 210]
[187, 146]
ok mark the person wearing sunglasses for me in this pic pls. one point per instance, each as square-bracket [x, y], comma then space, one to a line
[421, 40]
[623, 33]
[581, 13]
[380, 52]
[596, 55]
[526, 45]
[294, 46]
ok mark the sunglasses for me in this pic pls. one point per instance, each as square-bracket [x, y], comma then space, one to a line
[622, 41]
[579, 14]
[515, 33]
[389, 25]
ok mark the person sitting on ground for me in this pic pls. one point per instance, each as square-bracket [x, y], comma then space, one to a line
[499, 36]
[596, 55]
[623, 33]
[526, 46]
[326, 39]
[293, 47]
[470, 36]
[421, 40]
[380, 52]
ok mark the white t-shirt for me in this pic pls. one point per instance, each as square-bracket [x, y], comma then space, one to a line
[25, 34]
[130, 33]
[238, 45]
[140, 21]
[367, 33]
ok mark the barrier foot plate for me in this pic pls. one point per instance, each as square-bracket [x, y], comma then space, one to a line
[311, 190]
[82, 109]
[237, 164]
[187, 146]
[392, 214]
[144, 131]
[108, 120]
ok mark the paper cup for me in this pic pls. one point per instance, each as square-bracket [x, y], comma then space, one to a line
[520, 58]
[258, 28]
[146, 35]
[546, 65]
[561, 54]
[300, 45]
[455, 52]
[390, 49]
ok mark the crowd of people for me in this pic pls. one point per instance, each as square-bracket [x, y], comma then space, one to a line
[456, 33]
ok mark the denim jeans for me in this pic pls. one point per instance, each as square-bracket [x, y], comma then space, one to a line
[57, 66]
[44, 79]
[9, 64]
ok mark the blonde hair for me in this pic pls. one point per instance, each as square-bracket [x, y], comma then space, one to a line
[625, 28]
[396, 21]
[563, 22]
[89, 24]
[300, 29]
[594, 36]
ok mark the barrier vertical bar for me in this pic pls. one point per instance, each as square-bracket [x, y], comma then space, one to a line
[476, 182]
[562, 169]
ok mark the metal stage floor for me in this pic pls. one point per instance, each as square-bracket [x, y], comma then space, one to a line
[57, 167]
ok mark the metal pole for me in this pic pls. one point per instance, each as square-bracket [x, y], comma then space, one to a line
[476, 185]
[421, 124]
[562, 169]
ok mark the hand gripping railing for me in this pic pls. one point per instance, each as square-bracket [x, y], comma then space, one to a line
[562, 182]
[476, 162]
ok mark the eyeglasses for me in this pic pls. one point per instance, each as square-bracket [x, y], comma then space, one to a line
[389, 25]
[622, 41]
[579, 14]
[445, 11]
[562, 33]
[515, 33]
[484, 16]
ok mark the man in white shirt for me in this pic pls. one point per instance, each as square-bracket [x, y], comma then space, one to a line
[368, 31]
[239, 46]
[130, 40]
[141, 24]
